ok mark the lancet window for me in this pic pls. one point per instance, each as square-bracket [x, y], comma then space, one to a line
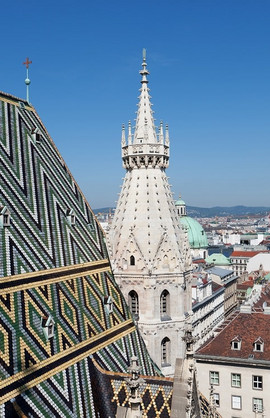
[165, 351]
[133, 302]
[165, 304]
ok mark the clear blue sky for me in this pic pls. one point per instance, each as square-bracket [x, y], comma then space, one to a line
[209, 63]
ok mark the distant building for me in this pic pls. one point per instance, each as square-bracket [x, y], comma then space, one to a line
[214, 297]
[251, 239]
[255, 290]
[207, 307]
[231, 238]
[196, 234]
[218, 260]
[260, 260]
[236, 363]
[240, 257]
[228, 279]
[243, 290]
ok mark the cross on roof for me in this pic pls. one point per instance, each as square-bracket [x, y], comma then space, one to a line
[27, 62]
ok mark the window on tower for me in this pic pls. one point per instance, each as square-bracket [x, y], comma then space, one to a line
[132, 260]
[165, 352]
[165, 305]
[133, 303]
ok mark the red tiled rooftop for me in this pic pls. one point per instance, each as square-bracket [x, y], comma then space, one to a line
[249, 327]
[245, 285]
[247, 254]
[199, 261]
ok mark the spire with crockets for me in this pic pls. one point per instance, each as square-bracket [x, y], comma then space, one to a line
[145, 148]
[149, 248]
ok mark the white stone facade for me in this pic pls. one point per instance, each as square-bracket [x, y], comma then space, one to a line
[208, 313]
[236, 387]
[149, 250]
[258, 261]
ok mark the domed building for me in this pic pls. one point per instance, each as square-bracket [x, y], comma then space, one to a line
[218, 260]
[196, 234]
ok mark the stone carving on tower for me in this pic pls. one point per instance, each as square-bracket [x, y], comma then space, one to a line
[149, 249]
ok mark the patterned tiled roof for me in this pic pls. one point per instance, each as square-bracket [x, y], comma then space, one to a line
[249, 328]
[155, 392]
[54, 269]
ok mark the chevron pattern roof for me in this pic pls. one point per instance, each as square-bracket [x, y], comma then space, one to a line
[59, 303]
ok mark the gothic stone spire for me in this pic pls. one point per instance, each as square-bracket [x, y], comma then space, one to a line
[149, 248]
[144, 147]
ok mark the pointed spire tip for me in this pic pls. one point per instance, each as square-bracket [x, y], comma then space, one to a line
[144, 54]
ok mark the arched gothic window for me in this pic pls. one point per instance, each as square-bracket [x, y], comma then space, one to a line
[132, 260]
[133, 303]
[165, 351]
[165, 304]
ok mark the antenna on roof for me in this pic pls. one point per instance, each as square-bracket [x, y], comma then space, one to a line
[27, 80]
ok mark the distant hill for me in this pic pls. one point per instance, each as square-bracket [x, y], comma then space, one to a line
[227, 211]
[195, 211]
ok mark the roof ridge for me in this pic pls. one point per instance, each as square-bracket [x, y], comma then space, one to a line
[11, 96]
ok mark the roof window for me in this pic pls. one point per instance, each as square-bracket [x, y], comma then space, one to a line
[236, 343]
[91, 227]
[108, 302]
[47, 324]
[71, 217]
[36, 135]
[258, 345]
[4, 216]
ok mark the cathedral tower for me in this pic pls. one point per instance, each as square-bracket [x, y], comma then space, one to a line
[149, 249]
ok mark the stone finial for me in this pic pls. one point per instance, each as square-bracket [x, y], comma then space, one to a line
[129, 133]
[144, 54]
[161, 135]
[189, 339]
[123, 136]
[144, 72]
[212, 406]
[167, 139]
[133, 383]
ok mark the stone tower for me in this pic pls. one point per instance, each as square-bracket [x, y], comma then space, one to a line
[149, 249]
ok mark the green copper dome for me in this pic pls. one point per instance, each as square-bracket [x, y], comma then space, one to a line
[180, 202]
[196, 234]
[218, 259]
